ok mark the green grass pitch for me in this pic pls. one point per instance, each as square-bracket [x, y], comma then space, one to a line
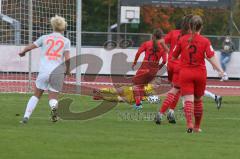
[111, 137]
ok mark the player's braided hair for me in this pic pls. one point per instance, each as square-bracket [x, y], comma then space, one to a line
[196, 23]
[157, 34]
[185, 24]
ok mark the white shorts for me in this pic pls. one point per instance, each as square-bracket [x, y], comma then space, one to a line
[51, 82]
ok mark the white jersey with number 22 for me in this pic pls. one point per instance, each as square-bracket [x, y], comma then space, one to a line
[52, 47]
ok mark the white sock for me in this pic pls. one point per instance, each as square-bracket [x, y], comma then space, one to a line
[209, 94]
[32, 103]
[53, 103]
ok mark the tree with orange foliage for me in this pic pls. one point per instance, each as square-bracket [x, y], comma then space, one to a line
[157, 17]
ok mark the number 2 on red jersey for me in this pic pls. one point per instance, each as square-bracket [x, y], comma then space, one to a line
[192, 51]
[51, 53]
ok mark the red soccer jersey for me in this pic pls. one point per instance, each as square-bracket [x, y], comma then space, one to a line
[193, 53]
[150, 56]
[171, 39]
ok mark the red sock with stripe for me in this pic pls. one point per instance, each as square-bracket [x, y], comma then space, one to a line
[176, 98]
[198, 112]
[138, 92]
[188, 110]
[167, 102]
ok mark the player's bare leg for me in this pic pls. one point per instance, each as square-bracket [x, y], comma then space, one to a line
[188, 111]
[32, 103]
[53, 103]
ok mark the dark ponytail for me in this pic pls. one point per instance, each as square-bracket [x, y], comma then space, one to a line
[157, 34]
[195, 25]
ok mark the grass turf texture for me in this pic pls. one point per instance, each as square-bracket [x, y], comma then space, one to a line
[108, 137]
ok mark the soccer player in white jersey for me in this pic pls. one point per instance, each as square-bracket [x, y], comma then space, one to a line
[55, 50]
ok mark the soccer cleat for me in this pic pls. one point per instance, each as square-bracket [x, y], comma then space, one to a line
[158, 118]
[171, 117]
[54, 116]
[24, 120]
[138, 107]
[218, 101]
[190, 130]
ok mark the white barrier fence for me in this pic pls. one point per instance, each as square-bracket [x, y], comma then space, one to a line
[11, 62]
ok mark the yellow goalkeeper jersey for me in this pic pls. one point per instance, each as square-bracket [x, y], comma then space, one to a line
[127, 93]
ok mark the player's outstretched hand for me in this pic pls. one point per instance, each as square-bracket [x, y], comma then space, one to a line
[21, 54]
[222, 74]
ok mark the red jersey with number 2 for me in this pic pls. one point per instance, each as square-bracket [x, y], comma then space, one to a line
[193, 53]
[192, 77]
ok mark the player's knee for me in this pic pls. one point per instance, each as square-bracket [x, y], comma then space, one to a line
[38, 93]
[188, 98]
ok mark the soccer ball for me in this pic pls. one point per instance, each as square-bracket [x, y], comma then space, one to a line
[153, 99]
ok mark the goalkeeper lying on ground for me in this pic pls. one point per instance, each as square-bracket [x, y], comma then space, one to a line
[125, 94]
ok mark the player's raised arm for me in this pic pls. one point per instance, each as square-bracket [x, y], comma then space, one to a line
[27, 49]
[35, 44]
[140, 50]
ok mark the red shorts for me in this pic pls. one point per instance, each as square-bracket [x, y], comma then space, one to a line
[145, 75]
[173, 73]
[192, 81]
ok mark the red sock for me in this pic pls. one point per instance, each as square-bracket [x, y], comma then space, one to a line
[167, 102]
[138, 92]
[137, 101]
[176, 98]
[198, 112]
[188, 110]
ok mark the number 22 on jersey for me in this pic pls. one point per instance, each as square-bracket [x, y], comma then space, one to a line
[54, 48]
